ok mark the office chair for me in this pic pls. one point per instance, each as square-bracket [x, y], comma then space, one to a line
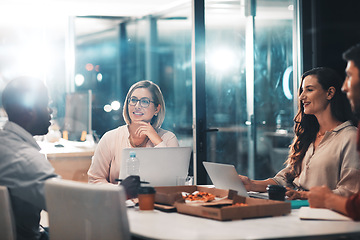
[7, 222]
[83, 211]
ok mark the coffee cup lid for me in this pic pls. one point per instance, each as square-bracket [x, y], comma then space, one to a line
[276, 188]
[146, 190]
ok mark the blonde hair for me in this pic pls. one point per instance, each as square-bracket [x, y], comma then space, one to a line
[157, 96]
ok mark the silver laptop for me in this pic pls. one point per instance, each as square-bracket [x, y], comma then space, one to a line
[224, 176]
[159, 166]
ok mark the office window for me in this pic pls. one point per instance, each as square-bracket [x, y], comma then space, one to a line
[253, 115]
[175, 73]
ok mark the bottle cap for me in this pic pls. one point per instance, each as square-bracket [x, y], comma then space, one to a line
[132, 154]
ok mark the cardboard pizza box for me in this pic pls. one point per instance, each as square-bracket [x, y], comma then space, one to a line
[230, 207]
[240, 208]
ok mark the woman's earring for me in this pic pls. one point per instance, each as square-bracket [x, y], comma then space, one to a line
[155, 114]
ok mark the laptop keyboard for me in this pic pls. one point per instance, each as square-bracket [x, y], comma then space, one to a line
[264, 195]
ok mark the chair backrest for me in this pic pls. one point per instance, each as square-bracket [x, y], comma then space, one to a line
[7, 222]
[85, 211]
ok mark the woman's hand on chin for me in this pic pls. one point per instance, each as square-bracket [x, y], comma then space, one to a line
[145, 129]
[133, 129]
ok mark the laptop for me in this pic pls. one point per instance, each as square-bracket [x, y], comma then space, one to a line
[159, 166]
[225, 176]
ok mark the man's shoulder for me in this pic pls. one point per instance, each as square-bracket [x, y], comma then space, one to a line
[20, 153]
[16, 151]
[13, 142]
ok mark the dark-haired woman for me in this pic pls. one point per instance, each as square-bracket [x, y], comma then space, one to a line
[323, 151]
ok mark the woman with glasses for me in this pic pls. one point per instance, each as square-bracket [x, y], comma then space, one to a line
[143, 112]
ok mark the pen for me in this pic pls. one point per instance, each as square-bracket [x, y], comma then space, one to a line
[123, 180]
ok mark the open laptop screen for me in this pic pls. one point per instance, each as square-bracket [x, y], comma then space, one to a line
[159, 166]
[224, 176]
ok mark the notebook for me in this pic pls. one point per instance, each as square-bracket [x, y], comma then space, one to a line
[159, 166]
[306, 213]
[224, 176]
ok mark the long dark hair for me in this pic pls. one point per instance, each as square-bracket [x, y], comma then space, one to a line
[353, 54]
[307, 126]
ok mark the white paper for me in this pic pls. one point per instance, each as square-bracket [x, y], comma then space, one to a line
[321, 214]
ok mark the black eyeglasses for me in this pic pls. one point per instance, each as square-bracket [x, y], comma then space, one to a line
[144, 102]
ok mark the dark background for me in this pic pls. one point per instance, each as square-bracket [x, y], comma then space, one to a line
[329, 27]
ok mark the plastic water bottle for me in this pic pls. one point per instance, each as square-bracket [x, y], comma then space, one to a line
[133, 165]
[280, 119]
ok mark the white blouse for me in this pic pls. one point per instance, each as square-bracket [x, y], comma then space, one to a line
[106, 162]
[335, 163]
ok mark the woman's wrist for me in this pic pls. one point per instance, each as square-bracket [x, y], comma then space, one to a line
[155, 139]
[304, 195]
[258, 186]
[335, 202]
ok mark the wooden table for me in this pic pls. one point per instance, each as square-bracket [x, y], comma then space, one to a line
[72, 160]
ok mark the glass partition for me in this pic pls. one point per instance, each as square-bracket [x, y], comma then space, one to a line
[96, 69]
[226, 83]
[267, 114]
[273, 85]
[175, 74]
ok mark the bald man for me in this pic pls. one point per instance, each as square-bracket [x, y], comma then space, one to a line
[23, 169]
